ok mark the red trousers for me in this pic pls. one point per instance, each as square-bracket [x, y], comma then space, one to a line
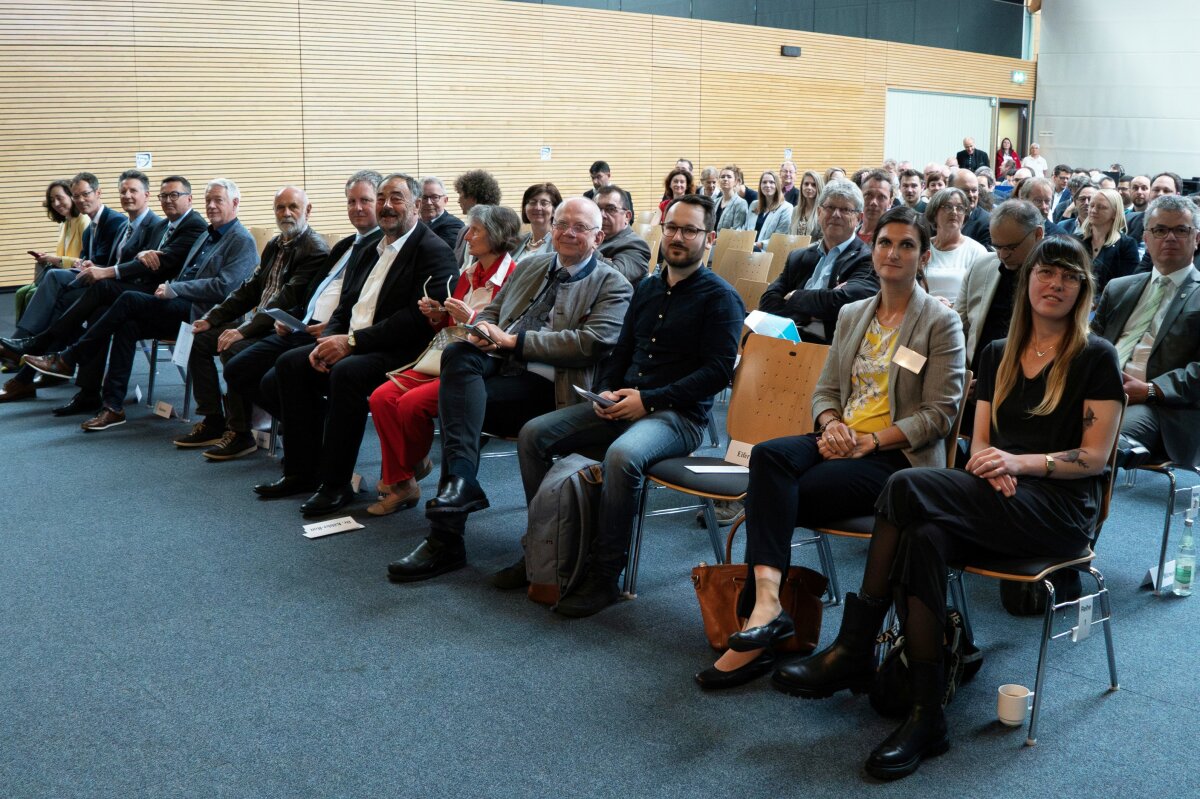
[404, 420]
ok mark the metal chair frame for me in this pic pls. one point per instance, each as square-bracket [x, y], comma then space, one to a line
[151, 352]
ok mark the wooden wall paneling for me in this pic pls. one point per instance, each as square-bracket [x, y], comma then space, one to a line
[676, 99]
[360, 98]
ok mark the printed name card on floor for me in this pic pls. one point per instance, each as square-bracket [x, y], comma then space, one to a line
[183, 345]
[330, 527]
[163, 409]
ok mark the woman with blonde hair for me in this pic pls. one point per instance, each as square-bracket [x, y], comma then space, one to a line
[804, 216]
[1114, 254]
[1049, 405]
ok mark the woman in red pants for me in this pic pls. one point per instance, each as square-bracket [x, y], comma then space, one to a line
[404, 407]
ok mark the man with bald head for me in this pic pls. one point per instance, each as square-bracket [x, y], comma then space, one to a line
[285, 268]
[976, 224]
[547, 331]
[970, 157]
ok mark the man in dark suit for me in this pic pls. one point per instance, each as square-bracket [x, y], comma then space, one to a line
[431, 206]
[285, 268]
[787, 183]
[818, 280]
[970, 158]
[601, 175]
[976, 224]
[219, 260]
[323, 388]
[1153, 320]
[1162, 184]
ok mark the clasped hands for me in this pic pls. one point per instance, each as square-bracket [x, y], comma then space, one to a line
[839, 441]
[998, 467]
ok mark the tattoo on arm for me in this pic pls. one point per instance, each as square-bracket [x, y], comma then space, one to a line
[1073, 456]
[1089, 417]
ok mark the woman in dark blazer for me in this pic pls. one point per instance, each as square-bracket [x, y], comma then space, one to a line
[1102, 232]
[886, 400]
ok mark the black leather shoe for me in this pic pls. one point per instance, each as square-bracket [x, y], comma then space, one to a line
[457, 495]
[11, 349]
[287, 486]
[431, 558]
[593, 594]
[766, 636]
[511, 577]
[713, 679]
[82, 402]
[847, 663]
[328, 499]
[923, 733]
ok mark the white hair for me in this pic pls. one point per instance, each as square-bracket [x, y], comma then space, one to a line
[231, 189]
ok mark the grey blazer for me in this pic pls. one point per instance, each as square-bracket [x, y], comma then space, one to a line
[223, 268]
[1174, 364]
[922, 405]
[975, 297]
[734, 215]
[778, 221]
[584, 326]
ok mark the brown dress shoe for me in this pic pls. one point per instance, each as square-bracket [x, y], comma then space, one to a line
[17, 389]
[107, 418]
[51, 364]
[393, 501]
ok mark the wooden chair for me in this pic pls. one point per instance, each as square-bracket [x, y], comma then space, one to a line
[1168, 469]
[750, 291]
[737, 264]
[772, 397]
[731, 240]
[262, 234]
[862, 526]
[1040, 569]
[330, 239]
[646, 217]
[781, 246]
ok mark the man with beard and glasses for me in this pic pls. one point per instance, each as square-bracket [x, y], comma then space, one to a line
[676, 350]
[284, 271]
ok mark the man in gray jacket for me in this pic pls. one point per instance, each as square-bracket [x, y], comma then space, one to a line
[622, 248]
[556, 317]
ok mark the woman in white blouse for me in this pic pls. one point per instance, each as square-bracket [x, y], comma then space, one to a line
[952, 253]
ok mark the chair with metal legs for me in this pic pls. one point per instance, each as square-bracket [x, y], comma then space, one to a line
[1165, 468]
[151, 353]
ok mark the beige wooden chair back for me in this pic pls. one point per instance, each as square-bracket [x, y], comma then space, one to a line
[330, 239]
[742, 264]
[262, 234]
[645, 217]
[731, 240]
[781, 246]
[750, 291]
[773, 388]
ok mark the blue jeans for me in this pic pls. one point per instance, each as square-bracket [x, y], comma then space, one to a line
[633, 447]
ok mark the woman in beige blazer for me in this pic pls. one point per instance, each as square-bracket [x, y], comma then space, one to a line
[885, 401]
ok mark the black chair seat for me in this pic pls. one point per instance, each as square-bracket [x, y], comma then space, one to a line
[859, 525]
[674, 472]
[1025, 569]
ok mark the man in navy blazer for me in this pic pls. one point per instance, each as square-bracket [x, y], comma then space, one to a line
[1153, 319]
[818, 280]
[219, 260]
[976, 225]
[431, 205]
[324, 387]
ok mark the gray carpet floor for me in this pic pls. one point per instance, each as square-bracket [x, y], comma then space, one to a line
[165, 633]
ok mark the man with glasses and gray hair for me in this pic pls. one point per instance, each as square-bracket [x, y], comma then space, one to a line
[558, 315]
[1154, 320]
[431, 207]
[624, 249]
[818, 280]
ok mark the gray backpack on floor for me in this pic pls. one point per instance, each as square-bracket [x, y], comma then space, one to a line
[562, 525]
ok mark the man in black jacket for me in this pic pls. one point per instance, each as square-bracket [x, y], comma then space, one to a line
[970, 158]
[286, 266]
[818, 280]
[431, 205]
[324, 388]
[976, 225]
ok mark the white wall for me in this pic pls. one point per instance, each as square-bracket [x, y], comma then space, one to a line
[1117, 81]
[925, 127]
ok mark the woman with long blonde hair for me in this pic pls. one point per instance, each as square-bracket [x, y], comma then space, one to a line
[804, 215]
[1049, 406]
[1102, 231]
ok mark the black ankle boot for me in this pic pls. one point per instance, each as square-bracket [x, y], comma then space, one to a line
[923, 733]
[849, 662]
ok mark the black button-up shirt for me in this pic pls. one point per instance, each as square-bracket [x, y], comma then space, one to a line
[677, 344]
[995, 324]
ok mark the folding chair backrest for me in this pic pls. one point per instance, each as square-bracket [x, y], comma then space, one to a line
[731, 240]
[781, 246]
[750, 291]
[952, 441]
[737, 264]
[1106, 497]
[773, 387]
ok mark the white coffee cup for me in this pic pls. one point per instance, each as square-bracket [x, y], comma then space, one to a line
[1013, 703]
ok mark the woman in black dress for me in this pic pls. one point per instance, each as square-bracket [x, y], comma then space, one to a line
[1049, 405]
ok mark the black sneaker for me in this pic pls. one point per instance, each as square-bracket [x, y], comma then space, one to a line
[232, 445]
[204, 434]
[593, 594]
[511, 577]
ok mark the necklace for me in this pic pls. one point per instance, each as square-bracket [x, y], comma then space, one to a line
[1040, 353]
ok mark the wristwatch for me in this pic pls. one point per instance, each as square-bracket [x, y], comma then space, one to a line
[1151, 394]
[350, 340]
[1050, 464]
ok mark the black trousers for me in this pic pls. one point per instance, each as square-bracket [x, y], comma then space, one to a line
[206, 383]
[324, 414]
[791, 485]
[251, 371]
[474, 395]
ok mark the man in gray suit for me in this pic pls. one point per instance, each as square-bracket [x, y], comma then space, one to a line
[1154, 321]
[558, 315]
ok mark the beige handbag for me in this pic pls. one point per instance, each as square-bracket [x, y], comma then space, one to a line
[429, 362]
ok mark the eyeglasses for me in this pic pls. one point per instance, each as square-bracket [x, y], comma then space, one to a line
[957, 210]
[833, 210]
[612, 210]
[1045, 274]
[83, 195]
[173, 195]
[539, 204]
[431, 198]
[1008, 249]
[689, 233]
[1161, 232]
[577, 229]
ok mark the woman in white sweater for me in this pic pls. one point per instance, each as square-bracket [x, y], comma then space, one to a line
[953, 253]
